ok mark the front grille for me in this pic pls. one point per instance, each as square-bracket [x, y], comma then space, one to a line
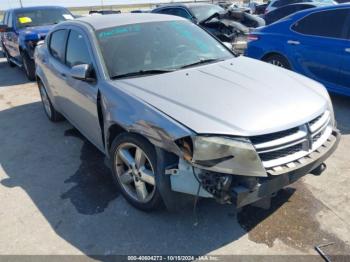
[283, 147]
[273, 136]
[281, 153]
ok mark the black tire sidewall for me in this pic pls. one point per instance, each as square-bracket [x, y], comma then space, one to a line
[7, 57]
[29, 67]
[55, 116]
[283, 60]
[156, 201]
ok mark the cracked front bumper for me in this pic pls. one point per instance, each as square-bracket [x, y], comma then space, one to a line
[242, 195]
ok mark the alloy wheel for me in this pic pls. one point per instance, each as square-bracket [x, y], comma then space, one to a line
[276, 63]
[135, 172]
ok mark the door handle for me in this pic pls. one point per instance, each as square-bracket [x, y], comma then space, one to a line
[293, 42]
[347, 50]
[63, 75]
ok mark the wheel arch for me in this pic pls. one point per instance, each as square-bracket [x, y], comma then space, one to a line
[272, 53]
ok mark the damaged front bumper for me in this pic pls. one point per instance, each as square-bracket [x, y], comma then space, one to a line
[242, 195]
[242, 190]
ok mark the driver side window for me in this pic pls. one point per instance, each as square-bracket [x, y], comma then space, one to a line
[77, 50]
[57, 44]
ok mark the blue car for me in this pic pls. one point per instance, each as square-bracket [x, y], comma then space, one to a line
[314, 42]
[22, 28]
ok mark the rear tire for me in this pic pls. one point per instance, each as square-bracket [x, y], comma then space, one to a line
[50, 111]
[29, 66]
[11, 64]
[277, 60]
[136, 179]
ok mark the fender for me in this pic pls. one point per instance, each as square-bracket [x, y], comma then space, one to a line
[129, 113]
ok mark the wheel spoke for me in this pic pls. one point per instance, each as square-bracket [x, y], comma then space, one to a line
[147, 176]
[126, 157]
[126, 178]
[140, 158]
[141, 190]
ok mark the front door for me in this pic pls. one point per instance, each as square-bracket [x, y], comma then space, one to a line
[79, 98]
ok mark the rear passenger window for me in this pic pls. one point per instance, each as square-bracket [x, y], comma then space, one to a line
[57, 44]
[77, 50]
[327, 23]
[5, 19]
[9, 20]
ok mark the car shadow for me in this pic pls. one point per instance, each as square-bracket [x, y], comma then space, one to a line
[341, 106]
[66, 178]
[7, 75]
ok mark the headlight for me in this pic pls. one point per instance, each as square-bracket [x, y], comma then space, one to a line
[236, 156]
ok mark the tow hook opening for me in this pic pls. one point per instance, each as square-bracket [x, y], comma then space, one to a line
[319, 170]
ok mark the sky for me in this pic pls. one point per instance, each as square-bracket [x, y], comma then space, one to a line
[5, 4]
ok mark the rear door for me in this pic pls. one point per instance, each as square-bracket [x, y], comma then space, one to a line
[317, 45]
[11, 37]
[56, 64]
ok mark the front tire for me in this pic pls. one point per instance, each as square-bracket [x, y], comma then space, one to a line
[134, 169]
[50, 111]
[29, 67]
[277, 60]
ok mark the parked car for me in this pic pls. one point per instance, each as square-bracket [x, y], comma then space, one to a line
[313, 42]
[23, 28]
[260, 9]
[104, 12]
[274, 4]
[175, 111]
[287, 10]
[229, 26]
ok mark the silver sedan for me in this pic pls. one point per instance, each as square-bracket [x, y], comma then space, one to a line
[178, 114]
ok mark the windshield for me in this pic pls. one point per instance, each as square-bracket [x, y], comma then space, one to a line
[202, 12]
[42, 17]
[157, 46]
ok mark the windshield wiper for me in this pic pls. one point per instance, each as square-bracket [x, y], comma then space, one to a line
[202, 61]
[143, 72]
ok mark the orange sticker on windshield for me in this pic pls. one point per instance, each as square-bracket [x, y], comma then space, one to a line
[25, 20]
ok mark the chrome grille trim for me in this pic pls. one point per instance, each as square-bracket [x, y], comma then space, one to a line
[298, 143]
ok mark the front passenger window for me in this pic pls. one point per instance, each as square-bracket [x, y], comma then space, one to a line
[77, 50]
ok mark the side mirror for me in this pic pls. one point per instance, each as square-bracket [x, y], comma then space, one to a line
[194, 20]
[3, 28]
[83, 72]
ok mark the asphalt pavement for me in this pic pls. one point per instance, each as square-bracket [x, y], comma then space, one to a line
[57, 197]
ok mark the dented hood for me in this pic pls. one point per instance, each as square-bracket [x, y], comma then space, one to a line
[240, 96]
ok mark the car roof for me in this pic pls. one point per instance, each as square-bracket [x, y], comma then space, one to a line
[33, 8]
[314, 4]
[113, 20]
[321, 8]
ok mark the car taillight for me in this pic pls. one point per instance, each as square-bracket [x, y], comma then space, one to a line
[252, 37]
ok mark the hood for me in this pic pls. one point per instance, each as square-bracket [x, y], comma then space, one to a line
[240, 96]
[35, 32]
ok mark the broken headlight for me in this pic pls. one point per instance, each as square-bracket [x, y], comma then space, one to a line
[227, 155]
